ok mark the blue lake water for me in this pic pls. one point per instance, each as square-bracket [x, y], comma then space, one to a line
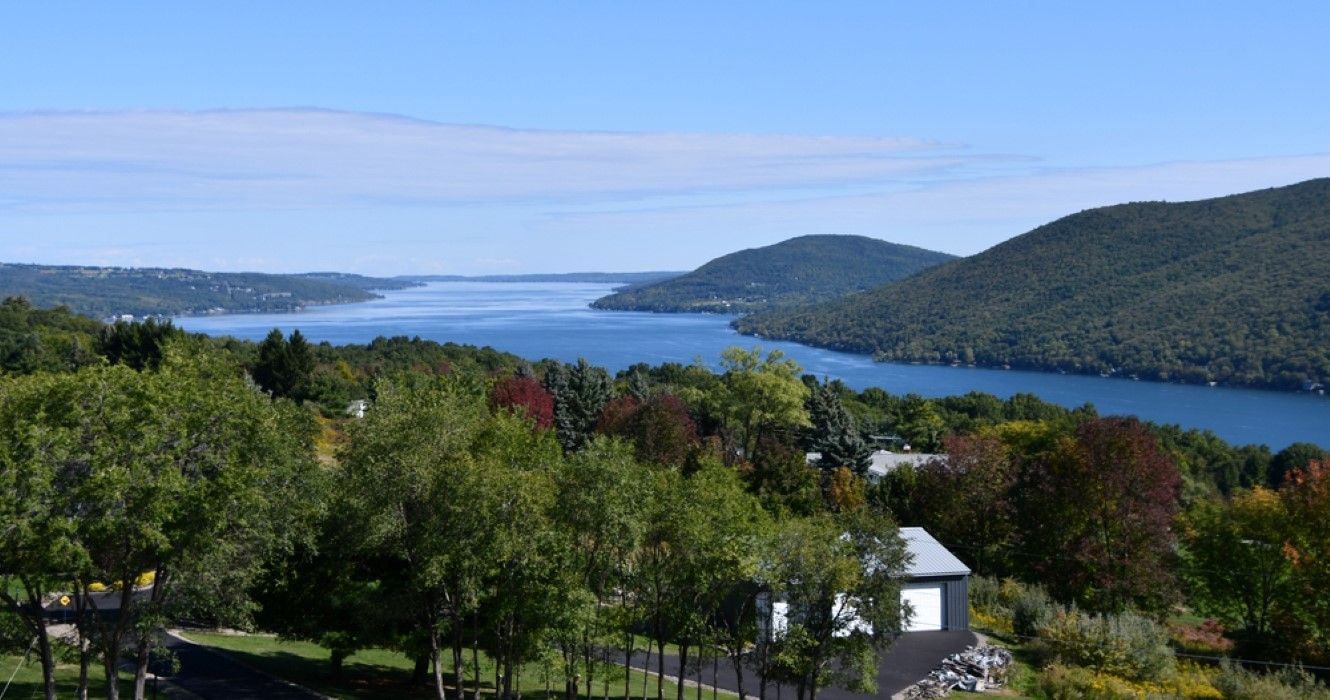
[538, 320]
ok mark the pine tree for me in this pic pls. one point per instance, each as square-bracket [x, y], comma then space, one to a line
[580, 392]
[835, 434]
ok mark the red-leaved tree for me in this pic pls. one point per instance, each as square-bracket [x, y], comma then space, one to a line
[526, 395]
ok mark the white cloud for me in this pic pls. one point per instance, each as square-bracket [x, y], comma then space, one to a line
[167, 160]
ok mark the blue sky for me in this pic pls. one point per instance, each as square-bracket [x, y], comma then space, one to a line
[413, 137]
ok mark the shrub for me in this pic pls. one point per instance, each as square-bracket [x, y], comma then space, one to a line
[1125, 645]
[1061, 682]
[1205, 638]
[1031, 609]
[985, 596]
[1288, 683]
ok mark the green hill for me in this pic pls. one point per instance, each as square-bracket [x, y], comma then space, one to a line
[800, 270]
[102, 292]
[1233, 290]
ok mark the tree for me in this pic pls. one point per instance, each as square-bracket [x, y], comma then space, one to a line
[964, 499]
[921, 424]
[39, 549]
[759, 392]
[186, 473]
[1235, 562]
[600, 493]
[285, 367]
[580, 392]
[422, 502]
[834, 433]
[1295, 456]
[526, 395]
[139, 345]
[840, 577]
[1306, 495]
[1096, 514]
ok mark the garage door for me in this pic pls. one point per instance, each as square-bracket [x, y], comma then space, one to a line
[925, 604]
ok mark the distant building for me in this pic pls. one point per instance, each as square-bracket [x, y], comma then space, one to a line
[356, 409]
[884, 462]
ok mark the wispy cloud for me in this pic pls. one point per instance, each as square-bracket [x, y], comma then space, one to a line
[166, 160]
[385, 194]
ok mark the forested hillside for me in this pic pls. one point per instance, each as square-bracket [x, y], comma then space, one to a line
[111, 291]
[1231, 290]
[800, 270]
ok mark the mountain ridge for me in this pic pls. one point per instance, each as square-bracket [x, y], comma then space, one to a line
[797, 270]
[1228, 289]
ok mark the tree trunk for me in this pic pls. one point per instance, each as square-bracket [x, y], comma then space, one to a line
[34, 618]
[457, 660]
[627, 667]
[420, 669]
[336, 659]
[111, 656]
[475, 668]
[48, 659]
[683, 666]
[81, 625]
[436, 660]
[660, 670]
[701, 659]
[646, 670]
[715, 668]
[141, 657]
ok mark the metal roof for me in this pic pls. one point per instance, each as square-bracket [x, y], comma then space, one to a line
[885, 462]
[928, 556]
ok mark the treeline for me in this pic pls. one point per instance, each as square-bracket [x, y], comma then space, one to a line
[1227, 290]
[101, 292]
[551, 514]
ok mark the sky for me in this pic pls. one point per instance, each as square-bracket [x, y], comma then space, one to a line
[510, 137]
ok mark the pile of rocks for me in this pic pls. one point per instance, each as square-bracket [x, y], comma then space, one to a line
[976, 669]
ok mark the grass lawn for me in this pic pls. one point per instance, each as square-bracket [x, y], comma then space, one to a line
[376, 674]
[28, 681]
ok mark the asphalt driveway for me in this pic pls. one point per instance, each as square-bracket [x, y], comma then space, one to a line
[908, 661]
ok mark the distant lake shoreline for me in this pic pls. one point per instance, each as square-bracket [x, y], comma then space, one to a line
[552, 319]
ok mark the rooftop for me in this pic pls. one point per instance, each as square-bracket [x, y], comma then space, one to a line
[928, 556]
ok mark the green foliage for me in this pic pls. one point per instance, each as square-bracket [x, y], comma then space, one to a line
[138, 344]
[799, 270]
[759, 393]
[1230, 290]
[840, 575]
[44, 339]
[285, 366]
[1234, 560]
[1125, 644]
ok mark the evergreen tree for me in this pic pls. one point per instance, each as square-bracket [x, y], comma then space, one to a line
[835, 434]
[285, 367]
[580, 392]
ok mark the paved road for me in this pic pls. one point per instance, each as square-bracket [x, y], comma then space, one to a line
[908, 661]
[212, 675]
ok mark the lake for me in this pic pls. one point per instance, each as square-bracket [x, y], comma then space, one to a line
[538, 320]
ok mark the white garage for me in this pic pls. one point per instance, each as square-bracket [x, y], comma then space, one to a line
[922, 605]
[937, 585]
